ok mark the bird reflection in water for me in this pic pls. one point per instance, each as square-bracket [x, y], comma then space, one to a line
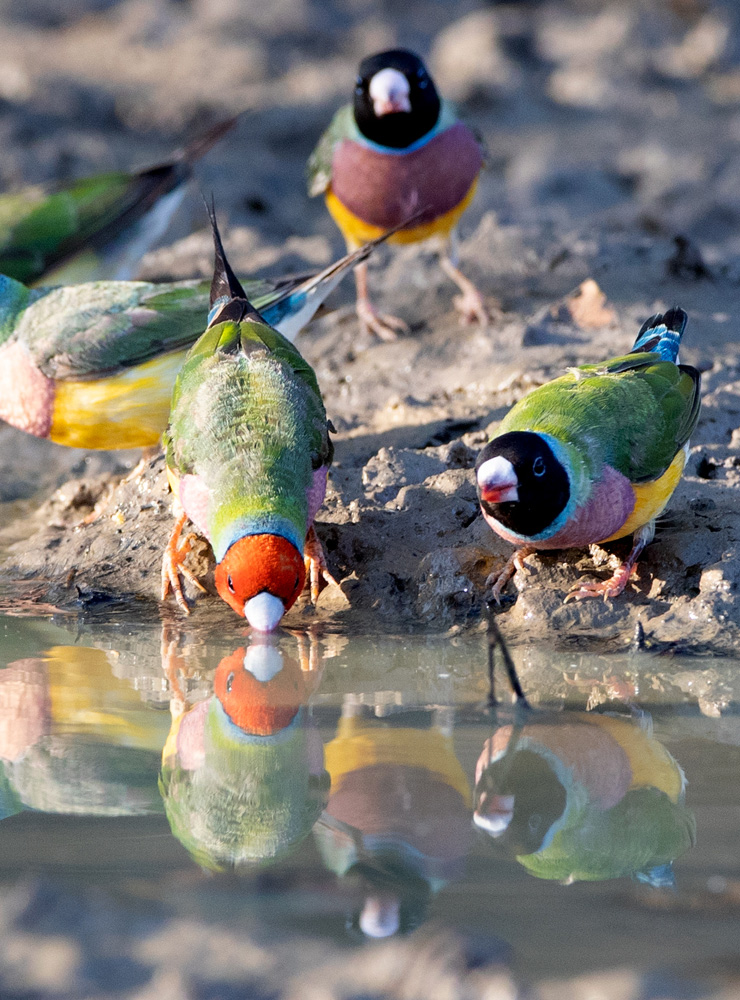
[74, 737]
[243, 777]
[398, 816]
[584, 796]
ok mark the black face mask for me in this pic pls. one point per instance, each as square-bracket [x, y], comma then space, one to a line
[400, 129]
[543, 487]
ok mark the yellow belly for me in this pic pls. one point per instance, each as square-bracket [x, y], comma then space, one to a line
[128, 410]
[356, 232]
[651, 498]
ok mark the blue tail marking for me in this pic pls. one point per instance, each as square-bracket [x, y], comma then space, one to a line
[661, 334]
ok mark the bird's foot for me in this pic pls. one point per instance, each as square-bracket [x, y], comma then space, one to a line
[497, 581]
[471, 308]
[316, 568]
[173, 564]
[604, 588]
[385, 327]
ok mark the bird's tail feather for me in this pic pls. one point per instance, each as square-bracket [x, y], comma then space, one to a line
[661, 334]
[228, 298]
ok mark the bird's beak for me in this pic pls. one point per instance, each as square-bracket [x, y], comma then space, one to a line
[494, 814]
[380, 917]
[497, 481]
[389, 92]
[264, 611]
[263, 660]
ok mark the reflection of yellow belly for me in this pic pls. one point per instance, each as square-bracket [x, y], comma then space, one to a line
[356, 232]
[652, 766]
[127, 410]
[651, 498]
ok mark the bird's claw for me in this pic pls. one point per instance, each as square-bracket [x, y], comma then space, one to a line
[384, 326]
[316, 568]
[173, 565]
[471, 308]
[612, 587]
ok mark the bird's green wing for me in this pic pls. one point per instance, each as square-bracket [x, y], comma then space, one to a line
[101, 328]
[40, 228]
[244, 338]
[635, 413]
[318, 170]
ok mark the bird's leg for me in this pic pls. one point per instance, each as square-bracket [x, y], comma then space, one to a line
[621, 577]
[172, 564]
[470, 303]
[173, 665]
[383, 326]
[497, 582]
[316, 568]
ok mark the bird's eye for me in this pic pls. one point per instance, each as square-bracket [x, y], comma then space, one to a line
[538, 466]
[295, 584]
[230, 584]
[534, 822]
[229, 682]
[421, 72]
[422, 84]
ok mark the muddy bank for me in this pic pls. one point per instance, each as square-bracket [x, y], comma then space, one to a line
[614, 157]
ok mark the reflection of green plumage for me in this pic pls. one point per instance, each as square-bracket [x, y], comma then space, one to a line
[253, 800]
[72, 775]
[641, 832]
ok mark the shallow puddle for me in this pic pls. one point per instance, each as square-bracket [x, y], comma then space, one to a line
[337, 789]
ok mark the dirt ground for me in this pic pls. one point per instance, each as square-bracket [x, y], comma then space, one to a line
[614, 138]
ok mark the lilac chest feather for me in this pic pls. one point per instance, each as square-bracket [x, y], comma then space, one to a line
[607, 509]
[26, 395]
[383, 189]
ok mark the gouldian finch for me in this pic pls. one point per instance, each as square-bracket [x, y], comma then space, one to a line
[398, 815]
[398, 149]
[93, 365]
[98, 227]
[248, 452]
[243, 777]
[583, 796]
[593, 455]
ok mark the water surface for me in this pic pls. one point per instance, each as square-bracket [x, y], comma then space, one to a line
[336, 789]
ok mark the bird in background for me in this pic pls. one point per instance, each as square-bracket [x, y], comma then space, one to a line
[93, 365]
[247, 451]
[399, 149]
[96, 227]
[594, 455]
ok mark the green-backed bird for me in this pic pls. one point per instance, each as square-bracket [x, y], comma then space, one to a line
[593, 455]
[97, 227]
[93, 365]
[243, 777]
[583, 796]
[248, 452]
[398, 150]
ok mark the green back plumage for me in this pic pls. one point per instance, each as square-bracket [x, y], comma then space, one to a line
[39, 228]
[252, 801]
[248, 419]
[633, 413]
[100, 328]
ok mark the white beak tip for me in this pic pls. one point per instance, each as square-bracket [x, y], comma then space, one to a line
[264, 611]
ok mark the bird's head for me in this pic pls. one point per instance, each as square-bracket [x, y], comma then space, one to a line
[395, 100]
[258, 690]
[521, 482]
[261, 576]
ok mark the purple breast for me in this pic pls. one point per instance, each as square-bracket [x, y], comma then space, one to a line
[610, 504]
[383, 189]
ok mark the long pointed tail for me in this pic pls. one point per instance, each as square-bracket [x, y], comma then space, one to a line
[228, 298]
[301, 299]
[661, 334]
[200, 145]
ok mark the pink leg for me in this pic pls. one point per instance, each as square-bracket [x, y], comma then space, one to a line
[316, 568]
[515, 563]
[172, 564]
[621, 577]
[383, 326]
